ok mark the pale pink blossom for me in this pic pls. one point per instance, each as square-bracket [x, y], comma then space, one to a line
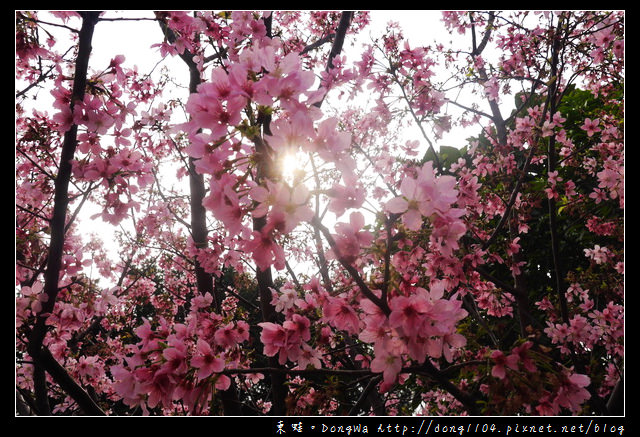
[225, 203]
[265, 251]
[492, 89]
[285, 299]
[389, 365]
[350, 238]
[590, 126]
[89, 368]
[309, 357]
[284, 206]
[423, 196]
[330, 142]
[344, 197]
[289, 134]
[599, 255]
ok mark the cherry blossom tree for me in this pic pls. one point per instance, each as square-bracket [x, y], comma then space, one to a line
[293, 237]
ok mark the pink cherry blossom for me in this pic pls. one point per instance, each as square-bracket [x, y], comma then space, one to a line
[408, 313]
[502, 362]
[175, 356]
[206, 361]
[414, 204]
[547, 407]
[128, 387]
[285, 299]
[491, 88]
[242, 85]
[590, 126]
[330, 142]
[225, 203]
[213, 108]
[341, 314]
[64, 119]
[350, 238]
[423, 196]
[309, 357]
[285, 341]
[90, 368]
[298, 328]
[226, 337]
[265, 251]
[284, 206]
[159, 386]
[572, 392]
[291, 134]
[344, 197]
[389, 365]
[598, 254]
[523, 357]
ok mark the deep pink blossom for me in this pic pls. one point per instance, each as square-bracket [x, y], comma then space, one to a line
[286, 341]
[175, 355]
[408, 313]
[524, 357]
[572, 392]
[338, 312]
[298, 328]
[502, 362]
[129, 387]
[205, 360]
[226, 337]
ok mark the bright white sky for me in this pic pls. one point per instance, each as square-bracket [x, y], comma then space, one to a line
[133, 39]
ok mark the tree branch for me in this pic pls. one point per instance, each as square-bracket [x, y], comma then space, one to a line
[352, 271]
[68, 384]
[315, 45]
[58, 221]
[336, 48]
[551, 163]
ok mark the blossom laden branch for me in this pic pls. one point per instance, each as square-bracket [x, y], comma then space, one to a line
[43, 360]
[355, 275]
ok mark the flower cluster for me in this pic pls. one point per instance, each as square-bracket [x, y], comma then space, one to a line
[432, 197]
[421, 326]
[183, 361]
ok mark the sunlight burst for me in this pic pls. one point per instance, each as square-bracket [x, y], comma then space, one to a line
[292, 167]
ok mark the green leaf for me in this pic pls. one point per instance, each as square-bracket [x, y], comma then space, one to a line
[449, 155]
